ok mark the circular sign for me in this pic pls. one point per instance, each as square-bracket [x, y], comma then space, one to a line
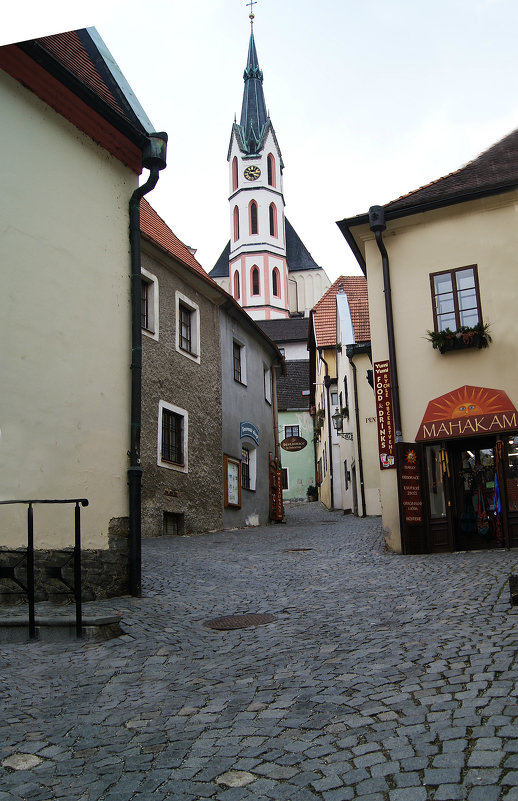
[293, 443]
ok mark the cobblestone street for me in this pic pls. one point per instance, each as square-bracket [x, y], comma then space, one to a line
[382, 677]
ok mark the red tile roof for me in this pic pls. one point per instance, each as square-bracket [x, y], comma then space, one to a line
[324, 313]
[153, 228]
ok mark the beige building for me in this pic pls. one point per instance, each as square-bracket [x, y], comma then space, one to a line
[342, 399]
[441, 267]
[75, 140]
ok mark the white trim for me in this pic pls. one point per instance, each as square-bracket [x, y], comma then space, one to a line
[195, 356]
[180, 468]
[152, 282]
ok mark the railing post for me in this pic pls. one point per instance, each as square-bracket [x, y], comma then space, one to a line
[77, 571]
[30, 571]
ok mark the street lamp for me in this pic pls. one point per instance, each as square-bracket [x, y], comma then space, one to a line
[338, 423]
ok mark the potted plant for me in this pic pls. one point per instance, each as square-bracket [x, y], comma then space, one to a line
[476, 336]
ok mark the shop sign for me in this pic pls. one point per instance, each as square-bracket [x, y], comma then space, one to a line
[249, 430]
[293, 444]
[384, 415]
[411, 488]
[466, 412]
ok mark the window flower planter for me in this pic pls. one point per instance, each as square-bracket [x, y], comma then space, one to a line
[476, 337]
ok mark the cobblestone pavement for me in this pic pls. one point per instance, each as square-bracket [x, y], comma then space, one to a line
[382, 678]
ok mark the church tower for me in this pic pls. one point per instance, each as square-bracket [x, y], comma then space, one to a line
[258, 269]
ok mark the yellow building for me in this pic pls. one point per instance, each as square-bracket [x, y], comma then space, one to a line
[342, 399]
[441, 267]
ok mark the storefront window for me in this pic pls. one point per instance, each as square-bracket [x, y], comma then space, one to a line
[435, 485]
[512, 479]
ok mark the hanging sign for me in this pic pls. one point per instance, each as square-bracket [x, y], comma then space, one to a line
[411, 488]
[467, 411]
[384, 415]
[249, 430]
[293, 444]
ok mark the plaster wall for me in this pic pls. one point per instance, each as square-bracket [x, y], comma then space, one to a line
[64, 324]
[192, 385]
[300, 464]
[482, 232]
[246, 403]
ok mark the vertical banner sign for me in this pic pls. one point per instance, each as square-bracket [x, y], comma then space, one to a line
[411, 488]
[384, 415]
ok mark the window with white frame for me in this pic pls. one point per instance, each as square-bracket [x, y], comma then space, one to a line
[239, 361]
[267, 384]
[248, 467]
[187, 327]
[291, 431]
[172, 450]
[149, 304]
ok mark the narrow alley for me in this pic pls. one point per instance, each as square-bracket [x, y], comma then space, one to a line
[380, 677]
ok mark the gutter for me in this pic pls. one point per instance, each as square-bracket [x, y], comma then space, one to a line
[153, 159]
[377, 225]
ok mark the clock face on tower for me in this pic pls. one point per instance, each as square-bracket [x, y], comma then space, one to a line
[252, 173]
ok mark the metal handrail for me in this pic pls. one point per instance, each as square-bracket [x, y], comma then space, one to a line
[30, 559]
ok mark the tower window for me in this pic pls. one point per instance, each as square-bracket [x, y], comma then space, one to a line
[255, 281]
[271, 170]
[273, 219]
[253, 217]
[234, 173]
[276, 282]
[236, 285]
[236, 223]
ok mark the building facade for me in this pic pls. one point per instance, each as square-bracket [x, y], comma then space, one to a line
[441, 265]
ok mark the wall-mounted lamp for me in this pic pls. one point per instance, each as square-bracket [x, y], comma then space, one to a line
[338, 423]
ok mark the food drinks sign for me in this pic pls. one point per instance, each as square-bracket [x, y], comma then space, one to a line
[384, 415]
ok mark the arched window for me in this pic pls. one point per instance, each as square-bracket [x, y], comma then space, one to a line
[276, 282]
[236, 285]
[273, 219]
[236, 223]
[271, 170]
[234, 173]
[255, 280]
[253, 217]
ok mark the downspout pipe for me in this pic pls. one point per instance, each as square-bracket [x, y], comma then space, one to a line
[327, 383]
[377, 226]
[153, 159]
[350, 353]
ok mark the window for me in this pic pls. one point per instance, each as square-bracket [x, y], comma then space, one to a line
[236, 285]
[253, 218]
[149, 304]
[234, 173]
[285, 479]
[272, 211]
[187, 327]
[334, 398]
[282, 351]
[239, 361]
[255, 281]
[267, 375]
[173, 524]
[456, 299]
[245, 468]
[236, 223]
[291, 431]
[276, 282]
[172, 437]
[271, 170]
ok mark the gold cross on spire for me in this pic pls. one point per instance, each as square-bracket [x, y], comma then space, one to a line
[251, 3]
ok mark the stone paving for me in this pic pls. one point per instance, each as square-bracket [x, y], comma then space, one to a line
[382, 678]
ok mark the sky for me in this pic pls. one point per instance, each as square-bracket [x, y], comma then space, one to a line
[369, 100]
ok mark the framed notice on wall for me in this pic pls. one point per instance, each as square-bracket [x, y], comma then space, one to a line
[232, 470]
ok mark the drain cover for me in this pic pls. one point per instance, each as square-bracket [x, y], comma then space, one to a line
[296, 550]
[238, 621]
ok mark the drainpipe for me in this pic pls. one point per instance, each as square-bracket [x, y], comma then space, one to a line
[377, 225]
[154, 160]
[350, 354]
[327, 383]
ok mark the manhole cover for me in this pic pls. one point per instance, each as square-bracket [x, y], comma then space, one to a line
[238, 621]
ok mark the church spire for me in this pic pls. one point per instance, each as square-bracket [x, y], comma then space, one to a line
[253, 110]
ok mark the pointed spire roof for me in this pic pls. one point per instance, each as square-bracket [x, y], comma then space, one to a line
[253, 111]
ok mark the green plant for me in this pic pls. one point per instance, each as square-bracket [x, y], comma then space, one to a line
[477, 335]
